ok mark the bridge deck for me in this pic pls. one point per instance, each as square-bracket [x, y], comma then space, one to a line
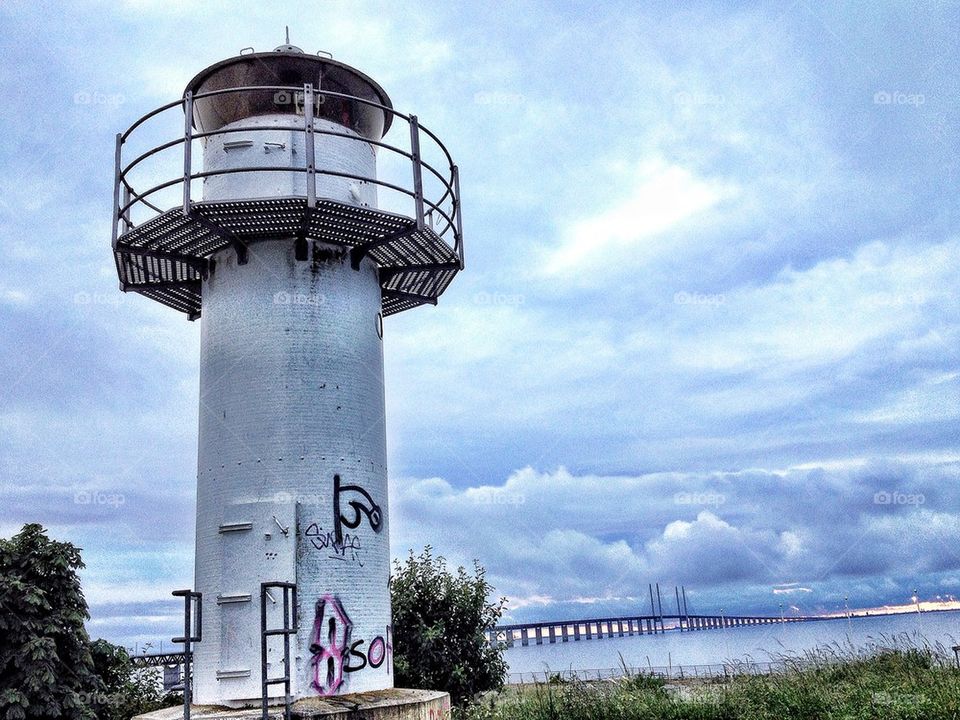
[588, 629]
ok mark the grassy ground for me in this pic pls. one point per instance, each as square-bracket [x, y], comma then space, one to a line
[893, 681]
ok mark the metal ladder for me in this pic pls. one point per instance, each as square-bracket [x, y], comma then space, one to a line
[289, 628]
[190, 598]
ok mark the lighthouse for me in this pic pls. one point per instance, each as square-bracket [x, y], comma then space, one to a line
[253, 205]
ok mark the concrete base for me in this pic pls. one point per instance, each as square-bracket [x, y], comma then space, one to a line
[395, 704]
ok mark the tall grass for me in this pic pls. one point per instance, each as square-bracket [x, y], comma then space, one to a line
[895, 679]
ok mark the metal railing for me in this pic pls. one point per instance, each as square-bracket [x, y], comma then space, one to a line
[289, 628]
[191, 620]
[441, 212]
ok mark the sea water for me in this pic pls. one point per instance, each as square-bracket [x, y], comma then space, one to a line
[760, 644]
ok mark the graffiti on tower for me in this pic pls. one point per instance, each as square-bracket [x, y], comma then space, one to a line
[335, 654]
[361, 507]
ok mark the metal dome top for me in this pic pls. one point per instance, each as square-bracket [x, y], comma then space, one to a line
[287, 65]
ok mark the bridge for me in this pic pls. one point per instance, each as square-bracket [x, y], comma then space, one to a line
[566, 630]
[172, 664]
[654, 623]
[156, 659]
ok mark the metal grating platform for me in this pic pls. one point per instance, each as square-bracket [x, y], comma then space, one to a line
[165, 258]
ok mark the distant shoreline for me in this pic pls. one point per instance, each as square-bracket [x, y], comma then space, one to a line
[892, 611]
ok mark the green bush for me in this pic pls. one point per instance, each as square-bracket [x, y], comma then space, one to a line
[46, 669]
[48, 666]
[439, 620]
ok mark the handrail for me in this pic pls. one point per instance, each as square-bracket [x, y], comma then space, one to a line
[144, 118]
[211, 173]
[116, 190]
[439, 144]
[269, 128]
[191, 623]
[446, 207]
[131, 191]
[285, 168]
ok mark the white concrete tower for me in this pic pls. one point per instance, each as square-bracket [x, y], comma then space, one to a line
[290, 266]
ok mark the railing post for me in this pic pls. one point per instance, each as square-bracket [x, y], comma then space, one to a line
[309, 145]
[264, 687]
[187, 650]
[286, 650]
[188, 639]
[187, 149]
[456, 198]
[116, 190]
[417, 169]
[289, 628]
[125, 215]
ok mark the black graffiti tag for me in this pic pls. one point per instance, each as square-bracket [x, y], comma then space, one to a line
[378, 651]
[325, 540]
[360, 508]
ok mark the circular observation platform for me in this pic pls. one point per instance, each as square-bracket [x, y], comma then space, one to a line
[165, 234]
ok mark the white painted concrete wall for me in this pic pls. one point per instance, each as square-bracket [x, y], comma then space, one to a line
[291, 395]
[263, 146]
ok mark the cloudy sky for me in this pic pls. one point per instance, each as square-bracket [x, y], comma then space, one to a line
[708, 331]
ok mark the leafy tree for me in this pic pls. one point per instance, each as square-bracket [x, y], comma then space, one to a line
[127, 691]
[438, 623]
[46, 670]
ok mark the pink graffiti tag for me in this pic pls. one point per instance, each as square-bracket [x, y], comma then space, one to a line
[330, 644]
